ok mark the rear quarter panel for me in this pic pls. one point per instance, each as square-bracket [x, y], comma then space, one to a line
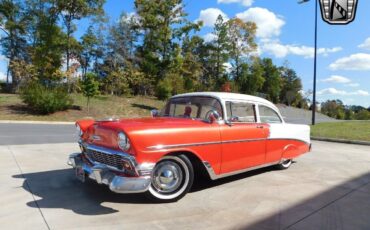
[287, 141]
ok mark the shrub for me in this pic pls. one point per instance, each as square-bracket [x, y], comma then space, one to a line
[45, 100]
[90, 88]
[163, 89]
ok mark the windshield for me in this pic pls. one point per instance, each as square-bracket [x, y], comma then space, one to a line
[191, 107]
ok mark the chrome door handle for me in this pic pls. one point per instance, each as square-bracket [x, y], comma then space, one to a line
[260, 126]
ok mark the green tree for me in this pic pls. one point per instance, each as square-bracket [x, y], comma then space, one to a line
[241, 36]
[89, 44]
[291, 86]
[161, 23]
[192, 68]
[221, 49]
[163, 26]
[271, 86]
[362, 115]
[13, 23]
[72, 10]
[349, 114]
[251, 77]
[47, 51]
[333, 108]
[90, 88]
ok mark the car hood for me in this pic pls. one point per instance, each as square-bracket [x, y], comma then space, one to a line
[104, 133]
[149, 123]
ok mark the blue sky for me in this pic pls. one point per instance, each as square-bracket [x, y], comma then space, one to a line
[285, 33]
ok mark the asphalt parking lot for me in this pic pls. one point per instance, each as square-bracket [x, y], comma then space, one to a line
[328, 188]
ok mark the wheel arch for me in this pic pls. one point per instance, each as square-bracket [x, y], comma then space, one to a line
[200, 171]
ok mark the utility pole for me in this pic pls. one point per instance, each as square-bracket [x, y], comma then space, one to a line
[314, 65]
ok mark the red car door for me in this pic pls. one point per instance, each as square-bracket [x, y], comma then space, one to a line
[243, 139]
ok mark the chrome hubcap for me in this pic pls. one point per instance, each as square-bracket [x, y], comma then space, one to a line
[167, 177]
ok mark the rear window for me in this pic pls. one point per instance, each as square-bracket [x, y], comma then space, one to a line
[268, 115]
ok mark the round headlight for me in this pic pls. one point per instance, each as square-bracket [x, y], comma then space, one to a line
[78, 131]
[123, 141]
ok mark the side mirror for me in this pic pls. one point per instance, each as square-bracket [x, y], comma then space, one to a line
[154, 113]
[213, 116]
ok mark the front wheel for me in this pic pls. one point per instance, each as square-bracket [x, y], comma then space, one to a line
[285, 164]
[172, 178]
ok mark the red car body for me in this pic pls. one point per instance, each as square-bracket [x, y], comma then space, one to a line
[221, 146]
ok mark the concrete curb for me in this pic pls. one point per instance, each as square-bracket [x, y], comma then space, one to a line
[37, 122]
[341, 141]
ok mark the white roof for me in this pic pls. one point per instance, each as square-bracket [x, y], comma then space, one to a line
[222, 96]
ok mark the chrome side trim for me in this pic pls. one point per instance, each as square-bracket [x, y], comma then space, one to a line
[290, 139]
[243, 140]
[160, 147]
[213, 175]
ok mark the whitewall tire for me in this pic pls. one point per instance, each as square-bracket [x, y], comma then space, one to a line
[171, 179]
[285, 164]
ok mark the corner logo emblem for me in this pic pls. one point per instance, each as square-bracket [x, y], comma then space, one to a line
[338, 12]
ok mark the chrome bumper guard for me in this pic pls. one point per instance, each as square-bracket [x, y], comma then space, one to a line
[103, 175]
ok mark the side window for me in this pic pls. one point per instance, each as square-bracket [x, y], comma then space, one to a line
[240, 112]
[183, 110]
[268, 115]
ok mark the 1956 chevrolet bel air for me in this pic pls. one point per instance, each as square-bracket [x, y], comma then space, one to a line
[221, 134]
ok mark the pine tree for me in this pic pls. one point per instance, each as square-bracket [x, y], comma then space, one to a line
[90, 88]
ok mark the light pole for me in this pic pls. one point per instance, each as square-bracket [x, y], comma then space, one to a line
[314, 65]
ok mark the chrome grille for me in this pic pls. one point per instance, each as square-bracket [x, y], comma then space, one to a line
[113, 160]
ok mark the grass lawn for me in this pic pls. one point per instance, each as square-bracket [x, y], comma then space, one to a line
[349, 130]
[12, 108]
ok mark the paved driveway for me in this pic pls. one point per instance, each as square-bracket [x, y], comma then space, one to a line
[20, 134]
[328, 188]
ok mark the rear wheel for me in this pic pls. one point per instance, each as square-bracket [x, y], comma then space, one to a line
[172, 178]
[285, 164]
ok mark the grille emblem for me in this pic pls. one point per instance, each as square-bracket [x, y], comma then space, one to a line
[338, 12]
[96, 137]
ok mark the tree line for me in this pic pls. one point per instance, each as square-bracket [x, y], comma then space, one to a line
[154, 51]
[336, 109]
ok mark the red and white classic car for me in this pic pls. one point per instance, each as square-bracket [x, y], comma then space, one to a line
[221, 134]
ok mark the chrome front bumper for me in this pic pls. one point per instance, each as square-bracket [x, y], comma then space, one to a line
[103, 175]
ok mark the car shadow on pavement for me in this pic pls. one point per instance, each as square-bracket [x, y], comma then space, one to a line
[202, 182]
[60, 189]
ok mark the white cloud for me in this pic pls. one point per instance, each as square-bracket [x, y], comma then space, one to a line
[282, 50]
[333, 91]
[362, 93]
[337, 79]
[209, 37]
[366, 44]
[243, 2]
[359, 61]
[3, 58]
[209, 16]
[2, 77]
[228, 67]
[354, 85]
[268, 23]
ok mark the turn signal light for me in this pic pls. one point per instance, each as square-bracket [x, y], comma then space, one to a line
[127, 165]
